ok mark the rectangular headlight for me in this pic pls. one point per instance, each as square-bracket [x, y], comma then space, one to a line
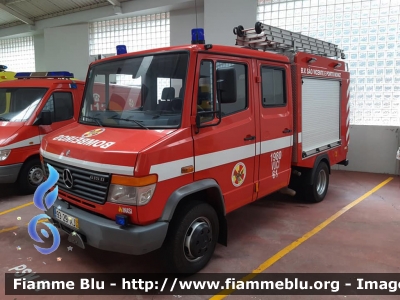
[130, 195]
[132, 190]
[4, 154]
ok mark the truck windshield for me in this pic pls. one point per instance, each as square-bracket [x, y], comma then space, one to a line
[18, 104]
[142, 92]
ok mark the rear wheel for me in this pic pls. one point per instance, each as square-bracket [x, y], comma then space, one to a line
[317, 191]
[30, 176]
[191, 238]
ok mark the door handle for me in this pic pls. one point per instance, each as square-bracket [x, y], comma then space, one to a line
[287, 130]
[249, 138]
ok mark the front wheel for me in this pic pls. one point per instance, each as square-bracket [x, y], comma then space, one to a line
[30, 176]
[192, 238]
[317, 191]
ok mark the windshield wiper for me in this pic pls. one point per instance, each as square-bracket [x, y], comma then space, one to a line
[4, 119]
[130, 120]
[97, 120]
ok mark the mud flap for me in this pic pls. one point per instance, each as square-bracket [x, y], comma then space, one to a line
[76, 239]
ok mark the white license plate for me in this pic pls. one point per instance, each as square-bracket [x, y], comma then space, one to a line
[65, 218]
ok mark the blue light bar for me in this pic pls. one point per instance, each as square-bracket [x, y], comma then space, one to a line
[121, 220]
[63, 74]
[198, 36]
[121, 49]
[53, 74]
[22, 75]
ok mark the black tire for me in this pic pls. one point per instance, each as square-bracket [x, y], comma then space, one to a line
[240, 31]
[30, 176]
[201, 220]
[258, 27]
[317, 191]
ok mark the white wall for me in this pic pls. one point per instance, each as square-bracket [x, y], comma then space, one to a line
[67, 49]
[373, 149]
[182, 22]
[221, 16]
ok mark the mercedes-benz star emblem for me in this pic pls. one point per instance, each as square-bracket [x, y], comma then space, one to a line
[67, 177]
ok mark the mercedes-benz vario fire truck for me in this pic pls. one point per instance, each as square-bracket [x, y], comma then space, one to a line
[213, 128]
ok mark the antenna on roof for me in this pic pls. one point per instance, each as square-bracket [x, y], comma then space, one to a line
[195, 7]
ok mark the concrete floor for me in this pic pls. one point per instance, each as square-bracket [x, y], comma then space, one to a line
[364, 239]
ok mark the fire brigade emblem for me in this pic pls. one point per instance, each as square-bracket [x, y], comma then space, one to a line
[238, 174]
[93, 132]
[96, 97]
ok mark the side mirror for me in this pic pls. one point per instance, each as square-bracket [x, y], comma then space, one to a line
[226, 85]
[200, 113]
[45, 118]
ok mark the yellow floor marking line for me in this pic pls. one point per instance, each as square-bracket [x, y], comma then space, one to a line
[15, 208]
[8, 229]
[16, 227]
[269, 262]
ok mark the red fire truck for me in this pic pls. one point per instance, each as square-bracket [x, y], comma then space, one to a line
[218, 127]
[31, 106]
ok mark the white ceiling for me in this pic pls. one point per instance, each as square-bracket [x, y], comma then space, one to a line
[17, 12]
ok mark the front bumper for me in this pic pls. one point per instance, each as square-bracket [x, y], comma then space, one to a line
[106, 235]
[9, 173]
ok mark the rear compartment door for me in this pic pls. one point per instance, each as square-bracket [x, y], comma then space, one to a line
[276, 126]
[320, 114]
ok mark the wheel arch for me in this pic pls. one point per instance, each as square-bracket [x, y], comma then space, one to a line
[28, 159]
[206, 190]
[310, 173]
[321, 158]
[22, 181]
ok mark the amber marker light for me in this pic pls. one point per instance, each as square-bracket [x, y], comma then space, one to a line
[134, 181]
[187, 169]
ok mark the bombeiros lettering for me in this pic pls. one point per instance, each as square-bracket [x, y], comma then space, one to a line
[84, 141]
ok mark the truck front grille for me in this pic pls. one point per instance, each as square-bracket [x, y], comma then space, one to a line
[88, 185]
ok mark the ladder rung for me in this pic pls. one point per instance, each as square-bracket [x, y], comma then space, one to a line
[262, 36]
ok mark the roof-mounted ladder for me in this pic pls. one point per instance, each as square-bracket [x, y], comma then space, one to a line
[268, 38]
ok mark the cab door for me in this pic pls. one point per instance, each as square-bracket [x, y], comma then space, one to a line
[61, 105]
[276, 126]
[225, 152]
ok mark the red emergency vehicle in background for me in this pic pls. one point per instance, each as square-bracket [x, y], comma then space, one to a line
[214, 128]
[31, 106]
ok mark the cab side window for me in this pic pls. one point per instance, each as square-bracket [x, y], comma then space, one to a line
[3, 102]
[205, 95]
[60, 104]
[273, 87]
[235, 75]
